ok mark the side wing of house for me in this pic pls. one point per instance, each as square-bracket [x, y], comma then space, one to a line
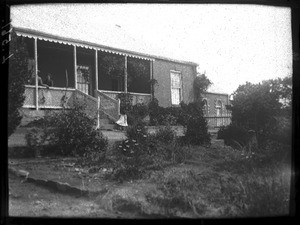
[174, 82]
[215, 110]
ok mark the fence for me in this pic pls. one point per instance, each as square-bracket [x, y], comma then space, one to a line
[218, 121]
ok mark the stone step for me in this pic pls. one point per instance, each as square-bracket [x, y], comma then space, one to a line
[107, 126]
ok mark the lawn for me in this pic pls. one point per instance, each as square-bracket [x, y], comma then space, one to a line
[212, 182]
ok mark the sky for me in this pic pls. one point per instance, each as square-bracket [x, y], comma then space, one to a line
[231, 43]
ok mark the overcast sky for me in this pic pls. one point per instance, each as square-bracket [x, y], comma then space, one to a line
[231, 43]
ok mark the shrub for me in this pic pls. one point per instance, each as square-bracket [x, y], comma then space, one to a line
[130, 160]
[137, 131]
[138, 113]
[196, 125]
[21, 152]
[165, 135]
[254, 195]
[233, 135]
[196, 132]
[142, 152]
[125, 102]
[179, 194]
[71, 131]
[18, 76]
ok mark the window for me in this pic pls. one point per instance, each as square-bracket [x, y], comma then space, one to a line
[176, 88]
[219, 108]
[83, 76]
[205, 107]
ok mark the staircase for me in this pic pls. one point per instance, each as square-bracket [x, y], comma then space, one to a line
[109, 108]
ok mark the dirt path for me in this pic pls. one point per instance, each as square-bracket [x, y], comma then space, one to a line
[26, 199]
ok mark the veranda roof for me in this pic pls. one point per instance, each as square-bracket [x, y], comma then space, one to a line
[30, 33]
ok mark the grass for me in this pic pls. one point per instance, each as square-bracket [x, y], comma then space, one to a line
[214, 182]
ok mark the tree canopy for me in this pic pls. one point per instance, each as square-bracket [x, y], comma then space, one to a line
[256, 106]
[18, 75]
[201, 84]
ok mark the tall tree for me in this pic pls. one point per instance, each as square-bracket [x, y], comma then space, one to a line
[18, 76]
[201, 84]
[256, 106]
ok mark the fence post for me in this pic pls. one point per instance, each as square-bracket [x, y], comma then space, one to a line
[36, 75]
[98, 112]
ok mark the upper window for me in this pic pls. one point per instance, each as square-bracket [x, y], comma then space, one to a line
[219, 108]
[205, 107]
[176, 88]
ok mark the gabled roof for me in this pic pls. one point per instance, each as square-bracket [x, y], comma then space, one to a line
[128, 45]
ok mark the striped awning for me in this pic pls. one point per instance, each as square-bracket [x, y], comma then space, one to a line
[78, 44]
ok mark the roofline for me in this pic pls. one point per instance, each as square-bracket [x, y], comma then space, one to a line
[215, 93]
[35, 32]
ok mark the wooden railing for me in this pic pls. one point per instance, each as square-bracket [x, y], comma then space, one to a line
[218, 121]
[136, 97]
[90, 103]
[52, 97]
[109, 105]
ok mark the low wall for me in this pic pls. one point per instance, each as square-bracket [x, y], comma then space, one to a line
[179, 130]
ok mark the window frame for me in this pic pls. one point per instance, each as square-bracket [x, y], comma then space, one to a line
[180, 86]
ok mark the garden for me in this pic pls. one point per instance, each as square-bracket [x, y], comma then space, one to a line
[150, 175]
[68, 168]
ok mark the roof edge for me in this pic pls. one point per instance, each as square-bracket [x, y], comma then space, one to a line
[215, 93]
[35, 32]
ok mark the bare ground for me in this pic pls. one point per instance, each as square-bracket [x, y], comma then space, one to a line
[114, 200]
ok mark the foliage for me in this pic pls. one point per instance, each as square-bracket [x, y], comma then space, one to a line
[165, 135]
[233, 135]
[125, 102]
[137, 131]
[72, 131]
[254, 195]
[256, 106]
[201, 84]
[179, 194]
[153, 83]
[18, 76]
[197, 131]
[188, 115]
[21, 152]
[163, 116]
[142, 152]
[138, 112]
[235, 185]
[129, 161]
[114, 66]
[136, 68]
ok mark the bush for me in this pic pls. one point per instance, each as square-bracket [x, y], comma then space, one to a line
[142, 152]
[138, 113]
[125, 102]
[71, 131]
[137, 131]
[18, 76]
[188, 115]
[165, 135]
[21, 152]
[196, 125]
[233, 135]
[254, 195]
[179, 194]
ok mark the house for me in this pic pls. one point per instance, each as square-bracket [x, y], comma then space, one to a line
[215, 110]
[97, 74]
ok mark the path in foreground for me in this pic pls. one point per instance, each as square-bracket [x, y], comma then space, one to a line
[26, 199]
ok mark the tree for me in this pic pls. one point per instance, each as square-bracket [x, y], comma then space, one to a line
[201, 84]
[258, 106]
[18, 76]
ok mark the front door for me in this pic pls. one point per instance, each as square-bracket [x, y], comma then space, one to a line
[83, 78]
